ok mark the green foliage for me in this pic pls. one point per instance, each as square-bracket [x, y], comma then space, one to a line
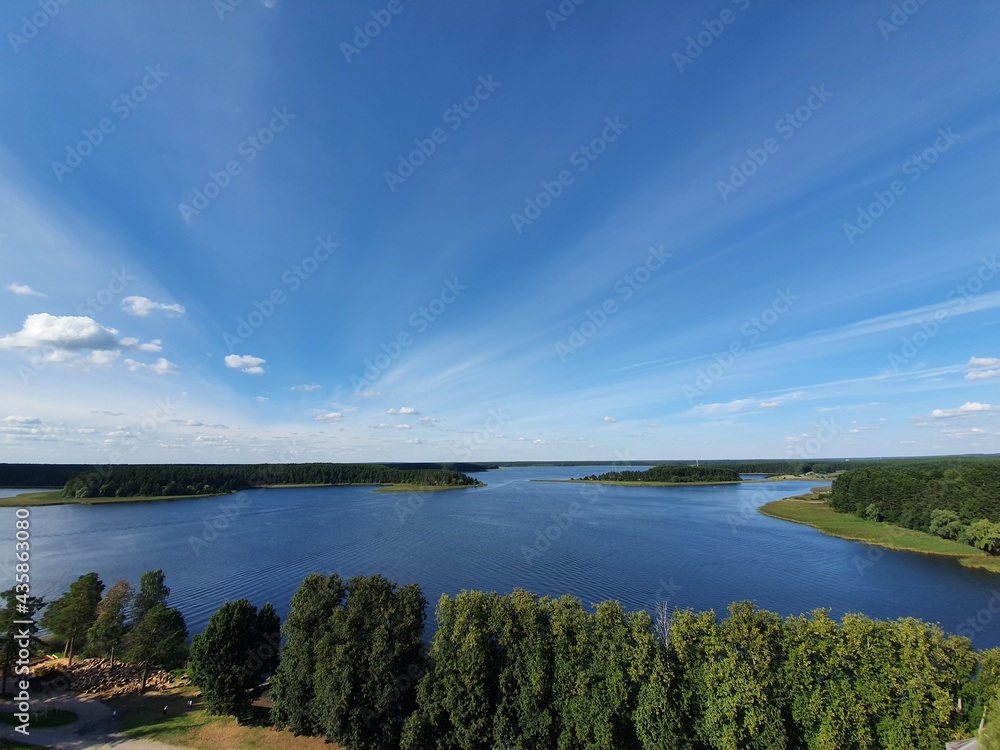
[672, 474]
[371, 645]
[152, 591]
[945, 523]
[9, 632]
[110, 624]
[984, 535]
[158, 639]
[196, 479]
[293, 687]
[70, 616]
[235, 654]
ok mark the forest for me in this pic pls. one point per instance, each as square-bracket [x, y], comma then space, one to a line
[152, 480]
[670, 473]
[518, 670]
[954, 498]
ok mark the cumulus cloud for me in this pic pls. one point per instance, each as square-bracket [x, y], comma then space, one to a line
[402, 410]
[19, 419]
[384, 426]
[370, 394]
[329, 416]
[965, 410]
[130, 342]
[66, 332]
[23, 289]
[246, 363]
[160, 367]
[143, 306]
[983, 361]
[261, 399]
[610, 419]
[539, 442]
[431, 420]
[769, 404]
[306, 387]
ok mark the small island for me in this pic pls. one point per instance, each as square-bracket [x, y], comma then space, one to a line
[667, 474]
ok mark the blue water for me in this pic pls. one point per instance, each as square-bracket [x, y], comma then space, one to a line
[700, 547]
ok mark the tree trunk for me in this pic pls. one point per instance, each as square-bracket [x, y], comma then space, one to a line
[69, 651]
[112, 659]
[145, 673]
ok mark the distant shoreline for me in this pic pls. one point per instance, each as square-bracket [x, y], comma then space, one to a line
[54, 497]
[813, 510]
[777, 478]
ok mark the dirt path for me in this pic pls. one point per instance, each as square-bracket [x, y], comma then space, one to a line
[93, 729]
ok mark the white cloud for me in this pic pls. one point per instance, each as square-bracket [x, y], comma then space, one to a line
[306, 387]
[539, 442]
[967, 409]
[23, 289]
[161, 366]
[18, 419]
[67, 332]
[402, 410]
[384, 426]
[982, 374]
[769, 404]
[261, 399]
[370, 394]
[246, 363]
[983, 361]
[610, 419]
[130, 342]
[329, 416]
[710, 410]
[431, 420]
[414, 441]
[142, 306]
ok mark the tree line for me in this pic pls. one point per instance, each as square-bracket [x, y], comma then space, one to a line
[670, 473]
[151, 480]
[136, 626]
[954, 498]
[524, 671]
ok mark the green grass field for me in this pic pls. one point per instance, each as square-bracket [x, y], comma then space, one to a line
[808, 510]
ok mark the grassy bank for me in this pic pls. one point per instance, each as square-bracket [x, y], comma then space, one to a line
[634, 484]
[425, 487]
[813, 510]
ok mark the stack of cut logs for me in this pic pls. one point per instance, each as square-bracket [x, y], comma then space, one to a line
[98, 676]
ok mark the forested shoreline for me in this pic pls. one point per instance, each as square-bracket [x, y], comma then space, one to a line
[956, 498]
[669, 474]
[350, 664]
[193, 479]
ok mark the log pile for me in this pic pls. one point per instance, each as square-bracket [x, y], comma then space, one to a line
[90, 676]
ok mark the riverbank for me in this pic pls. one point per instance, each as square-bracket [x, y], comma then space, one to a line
[637, 484]
[813, 510]
[54, 497]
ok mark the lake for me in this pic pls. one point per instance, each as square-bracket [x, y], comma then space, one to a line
[700, 547]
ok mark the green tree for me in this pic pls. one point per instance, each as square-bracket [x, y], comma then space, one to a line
[985, 536]
[293, 689]
[158, 640]
[111, 625]
[17, 607]
[457, 698]
[945, 523]
[70, 616]
[372, 643]
[235, 654]
[152, 591]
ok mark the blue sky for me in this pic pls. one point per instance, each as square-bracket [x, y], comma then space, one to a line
[266, 231]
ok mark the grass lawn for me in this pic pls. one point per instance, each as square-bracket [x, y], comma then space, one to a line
[809, 510]
[55, 717]
[142, 717]
[54, 497]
